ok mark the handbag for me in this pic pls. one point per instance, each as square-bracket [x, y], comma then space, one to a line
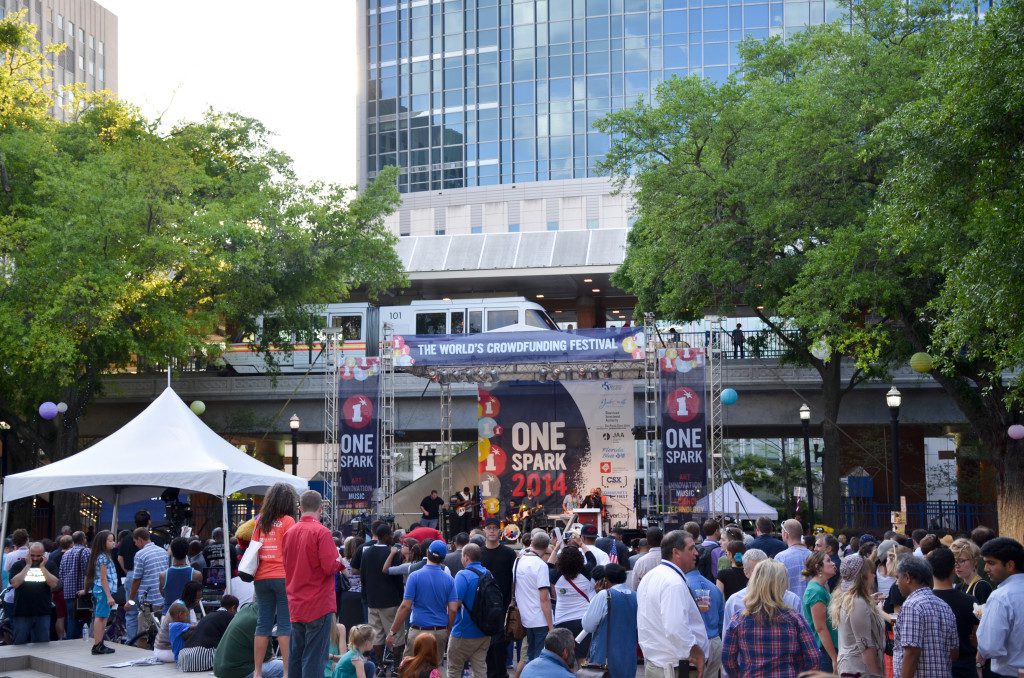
[514, 629]
[250, 561]
[589, 670]
[83, 608]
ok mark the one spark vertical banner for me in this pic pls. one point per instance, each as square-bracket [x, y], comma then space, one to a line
[683, 424]
[358, 437]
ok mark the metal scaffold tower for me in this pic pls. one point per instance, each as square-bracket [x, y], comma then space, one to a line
[329, 459]
[386, 425]
[447, 448]
[655, 487]
[716, 457]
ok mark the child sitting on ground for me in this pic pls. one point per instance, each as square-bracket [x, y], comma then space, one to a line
[170, 639]
[353, 664]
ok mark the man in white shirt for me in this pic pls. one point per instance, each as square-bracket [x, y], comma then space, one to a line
[650, 560]
[795, 556]
[751, 559]
[533, 593]
[1001, 636]
[589, 546]
[669, 625]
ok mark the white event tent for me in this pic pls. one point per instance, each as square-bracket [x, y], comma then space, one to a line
[166, 445]
[732, 499]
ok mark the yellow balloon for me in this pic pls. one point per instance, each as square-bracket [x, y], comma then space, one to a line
[483, 449]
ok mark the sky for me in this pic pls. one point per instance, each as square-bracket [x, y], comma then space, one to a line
[293, 70]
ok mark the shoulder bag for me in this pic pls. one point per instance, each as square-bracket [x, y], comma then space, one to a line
[589, 670]
[250, 561]
[514, 629]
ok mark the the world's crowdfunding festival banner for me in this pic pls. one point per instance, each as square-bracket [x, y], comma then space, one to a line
[498, 348]
[683, 426]
[358, 438]
[556, 438]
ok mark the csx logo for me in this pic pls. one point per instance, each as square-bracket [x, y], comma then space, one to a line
[613, 481]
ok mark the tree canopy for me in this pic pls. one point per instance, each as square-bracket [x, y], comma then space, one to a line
[122, 243]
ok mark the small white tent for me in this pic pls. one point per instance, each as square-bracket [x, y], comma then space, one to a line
[733, 500]
[166, 445]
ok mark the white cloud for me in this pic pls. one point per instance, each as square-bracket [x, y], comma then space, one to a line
[291, 65]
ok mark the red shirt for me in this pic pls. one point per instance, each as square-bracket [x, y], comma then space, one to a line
[421, 533]
[310, 563]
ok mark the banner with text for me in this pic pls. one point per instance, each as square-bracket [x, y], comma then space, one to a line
[554, 439]
[683, 426]
[497, 348]
[358, 438]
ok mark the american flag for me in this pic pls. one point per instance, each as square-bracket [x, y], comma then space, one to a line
[613, 553]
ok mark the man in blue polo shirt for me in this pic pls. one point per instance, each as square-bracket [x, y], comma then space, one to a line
[427, 594]
[711, 604]
[467, 643]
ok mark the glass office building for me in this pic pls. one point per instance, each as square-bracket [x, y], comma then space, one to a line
[465, 93]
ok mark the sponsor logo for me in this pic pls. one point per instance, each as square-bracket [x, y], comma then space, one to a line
[613, 481]
[613, 435]
[606, 467]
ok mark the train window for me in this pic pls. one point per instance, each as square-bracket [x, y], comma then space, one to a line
[504, 318]
[535, 318]
[431, 323]
[476, 322]
[458, 322]
[273, 333]
[351, 326]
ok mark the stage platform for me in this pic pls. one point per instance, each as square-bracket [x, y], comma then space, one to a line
[72, 659]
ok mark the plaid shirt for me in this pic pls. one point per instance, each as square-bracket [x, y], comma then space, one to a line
[781, 647]
[72, 570]
[927, 622]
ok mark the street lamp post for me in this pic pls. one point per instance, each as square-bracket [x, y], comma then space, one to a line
[294, 424]
[893, 399]
[805, 422]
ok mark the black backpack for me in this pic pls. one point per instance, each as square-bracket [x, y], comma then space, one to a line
[704, 561]
[488, 612]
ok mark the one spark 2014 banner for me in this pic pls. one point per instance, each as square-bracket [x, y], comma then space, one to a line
[358, 439]
[683, 426]
[555, 438]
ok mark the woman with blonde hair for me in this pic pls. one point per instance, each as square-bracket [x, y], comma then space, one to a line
[966, 555]
[861, 627]
[768, 637]
[818, 569]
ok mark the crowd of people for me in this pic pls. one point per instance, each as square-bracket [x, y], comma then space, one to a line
[707, 599]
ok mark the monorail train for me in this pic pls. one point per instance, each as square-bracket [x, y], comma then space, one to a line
[362, 325]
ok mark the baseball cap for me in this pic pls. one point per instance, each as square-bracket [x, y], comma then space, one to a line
[438, 548]
[492, 521]
[589, 531]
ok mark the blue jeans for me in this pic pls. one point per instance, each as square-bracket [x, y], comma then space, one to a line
[72, 628]
[535, 642]
[271, 606]
[272, 669]
[309, 644]
[31, 629]
[369, 668]
[430, 522]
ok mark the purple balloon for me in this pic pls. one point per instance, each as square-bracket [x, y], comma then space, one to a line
[1016, 431]
[48, 410]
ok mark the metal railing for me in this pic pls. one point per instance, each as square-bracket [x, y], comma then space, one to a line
[928, 515]
[757, 344]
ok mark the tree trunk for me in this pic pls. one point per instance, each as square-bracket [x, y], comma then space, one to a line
[1010, 500]
[831, 396]
[67, 505]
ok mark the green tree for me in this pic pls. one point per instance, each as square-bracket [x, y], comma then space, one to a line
[119, 244]
[936, 262]
[774, 478]
[738, 184]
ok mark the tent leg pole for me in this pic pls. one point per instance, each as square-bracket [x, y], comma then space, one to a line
[228, 565]
[113, 516]
[3, 523]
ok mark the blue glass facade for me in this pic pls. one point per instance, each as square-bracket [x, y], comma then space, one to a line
[464, 93]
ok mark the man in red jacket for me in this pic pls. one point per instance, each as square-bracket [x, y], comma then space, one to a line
[310, 562]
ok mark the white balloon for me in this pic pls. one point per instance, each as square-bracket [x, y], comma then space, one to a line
[821, 350]
[62, 407]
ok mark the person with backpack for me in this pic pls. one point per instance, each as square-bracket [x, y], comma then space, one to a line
[711, 604]
[476, 614]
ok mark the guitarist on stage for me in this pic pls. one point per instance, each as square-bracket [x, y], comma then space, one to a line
[530, 509]
[464, 503]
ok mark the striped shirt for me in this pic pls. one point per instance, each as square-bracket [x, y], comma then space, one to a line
[794, 558]
[149, 563]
